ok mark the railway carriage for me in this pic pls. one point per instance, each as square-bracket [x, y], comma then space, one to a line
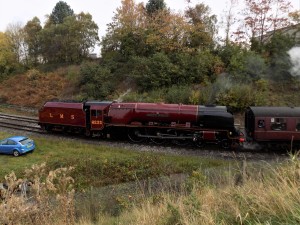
[274, 126]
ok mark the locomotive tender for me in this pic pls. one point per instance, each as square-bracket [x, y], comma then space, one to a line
[156, 121]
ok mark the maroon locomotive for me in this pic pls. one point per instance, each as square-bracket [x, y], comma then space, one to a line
[273, 126]
[155, 121]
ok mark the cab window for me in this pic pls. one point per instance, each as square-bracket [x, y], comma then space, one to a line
[96, 113]
[278, 123]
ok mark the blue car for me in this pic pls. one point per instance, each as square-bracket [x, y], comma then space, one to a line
[16, 145]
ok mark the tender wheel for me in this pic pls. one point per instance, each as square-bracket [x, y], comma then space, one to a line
[48, 128]
[16, 153]
[87, 133]
[225, 144]
[200, 143]
[133, 135]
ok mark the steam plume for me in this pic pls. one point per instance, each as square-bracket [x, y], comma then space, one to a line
[294, 54]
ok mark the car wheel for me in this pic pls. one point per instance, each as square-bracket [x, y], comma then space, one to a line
[16, 153]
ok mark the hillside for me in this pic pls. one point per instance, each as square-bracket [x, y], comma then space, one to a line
[33, 88]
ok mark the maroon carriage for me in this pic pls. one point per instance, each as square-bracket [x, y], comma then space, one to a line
[273, 125]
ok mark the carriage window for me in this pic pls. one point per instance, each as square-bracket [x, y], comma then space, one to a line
[261, 123]
[96, 113]
[278, 124]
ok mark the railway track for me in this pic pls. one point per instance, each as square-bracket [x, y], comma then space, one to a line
[18, 118]
[20, 123]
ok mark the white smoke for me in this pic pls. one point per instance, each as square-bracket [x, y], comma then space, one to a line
[120, 99]
[294, 54]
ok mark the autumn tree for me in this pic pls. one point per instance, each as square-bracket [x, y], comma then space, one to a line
[262, 16]
[16, 36]
[8, 57]
[203, 29]
[161, 48]
[128, 21]
[295, 16]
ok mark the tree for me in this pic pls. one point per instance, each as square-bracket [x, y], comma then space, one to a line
[16, 36]
[129, 20]
[262, 16]
[154, 6]
[70, 41]
[156, 71]
[88, 33]
[203, 26]
[8, 57]
[279, 61]
[229, 20]
[60, 12]
[32, 31]
[295, 16]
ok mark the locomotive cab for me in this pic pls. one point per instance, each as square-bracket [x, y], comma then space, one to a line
[95, 113]
[212, 117]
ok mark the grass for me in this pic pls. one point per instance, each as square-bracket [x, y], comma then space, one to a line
[264, 194]
[269, 197]
[105, 178]
[101, 165]
[17, 110]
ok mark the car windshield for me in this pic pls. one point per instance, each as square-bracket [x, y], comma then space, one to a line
[25, 141]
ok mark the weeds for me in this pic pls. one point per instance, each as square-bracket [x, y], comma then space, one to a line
[40, 198]
[271, 198]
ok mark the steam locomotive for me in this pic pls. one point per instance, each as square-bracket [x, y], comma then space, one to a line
[182, 124]
[157, 122]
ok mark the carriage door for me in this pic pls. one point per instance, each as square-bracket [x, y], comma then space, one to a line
[96, 119]
[260, 128]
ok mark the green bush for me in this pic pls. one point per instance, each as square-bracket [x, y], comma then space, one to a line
[174, 94]
[96, 81]
[239, 97]
[178, 94]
